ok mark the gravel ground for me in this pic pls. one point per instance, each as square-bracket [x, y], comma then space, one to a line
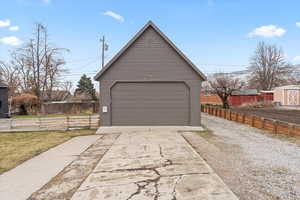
[254, 164]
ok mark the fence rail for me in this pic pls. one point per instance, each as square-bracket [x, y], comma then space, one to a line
[49, 123]
[271, 125]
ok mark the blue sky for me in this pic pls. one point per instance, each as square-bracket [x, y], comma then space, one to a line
[217, 35]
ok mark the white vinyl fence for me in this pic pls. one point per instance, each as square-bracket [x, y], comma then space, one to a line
[49, 123]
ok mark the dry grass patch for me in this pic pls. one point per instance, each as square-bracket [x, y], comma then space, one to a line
[206, 133]
[16, 148]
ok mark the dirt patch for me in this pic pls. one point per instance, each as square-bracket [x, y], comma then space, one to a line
[287, 115]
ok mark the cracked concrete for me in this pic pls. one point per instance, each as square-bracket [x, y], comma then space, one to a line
[65, 184]
[154, 164]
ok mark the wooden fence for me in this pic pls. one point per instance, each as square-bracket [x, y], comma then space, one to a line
[271, 125]
[49, 123]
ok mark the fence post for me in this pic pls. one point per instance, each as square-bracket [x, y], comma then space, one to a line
[275, 127]
[40, 123]
[90, 121]
[252, 121]
[289, 128]
[68, 122]
[11, 124]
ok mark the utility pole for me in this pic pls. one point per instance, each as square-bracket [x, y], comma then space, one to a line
[40, 28]
[104, 48]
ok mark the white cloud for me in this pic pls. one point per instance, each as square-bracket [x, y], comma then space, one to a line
[267, 31]
[114, 15]
[4, 23]
[11, 40]
[296, 58]
[298, 24]
[14, 28]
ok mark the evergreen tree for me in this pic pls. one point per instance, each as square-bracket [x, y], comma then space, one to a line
[85, 85]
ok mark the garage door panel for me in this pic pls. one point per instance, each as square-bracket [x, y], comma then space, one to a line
[150, 104]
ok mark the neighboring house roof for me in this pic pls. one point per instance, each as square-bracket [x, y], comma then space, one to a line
[290, 87]
[81, 96]
[58, 95]
[3, 85]
[266, 91]
[245, 92]
[149, 24]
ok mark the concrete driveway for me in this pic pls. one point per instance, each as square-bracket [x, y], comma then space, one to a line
[152, 163]
[131, 163]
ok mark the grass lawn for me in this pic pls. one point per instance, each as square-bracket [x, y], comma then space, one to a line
[16, 148]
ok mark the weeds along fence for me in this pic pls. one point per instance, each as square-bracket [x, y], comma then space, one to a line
[270, 125]
[49, 123]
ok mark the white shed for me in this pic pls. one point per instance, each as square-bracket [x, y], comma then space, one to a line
[288, 95]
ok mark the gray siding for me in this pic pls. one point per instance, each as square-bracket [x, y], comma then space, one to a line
[150, 103]
[4, 102]
[150, 59]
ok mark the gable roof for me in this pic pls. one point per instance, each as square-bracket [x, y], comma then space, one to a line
[245, 92]
[290, 87]
[149, 24]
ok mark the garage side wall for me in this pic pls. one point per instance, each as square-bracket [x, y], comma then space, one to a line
[150, 59]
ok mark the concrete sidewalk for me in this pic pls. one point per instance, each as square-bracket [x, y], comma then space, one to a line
[20, 182]
[152, 163]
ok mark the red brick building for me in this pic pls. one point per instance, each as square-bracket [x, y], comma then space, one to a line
[239, 97]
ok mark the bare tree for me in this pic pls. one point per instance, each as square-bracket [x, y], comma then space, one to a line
[40, 65]
[10, 75]
[223, 85]
[268, 67]
[67, 86]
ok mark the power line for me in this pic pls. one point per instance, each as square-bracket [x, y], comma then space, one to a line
[207, 64]
[226, 65]
[87, 64]
[81, 60]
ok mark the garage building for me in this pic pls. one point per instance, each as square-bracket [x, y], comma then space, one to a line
[150, 82]
[288, 95]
